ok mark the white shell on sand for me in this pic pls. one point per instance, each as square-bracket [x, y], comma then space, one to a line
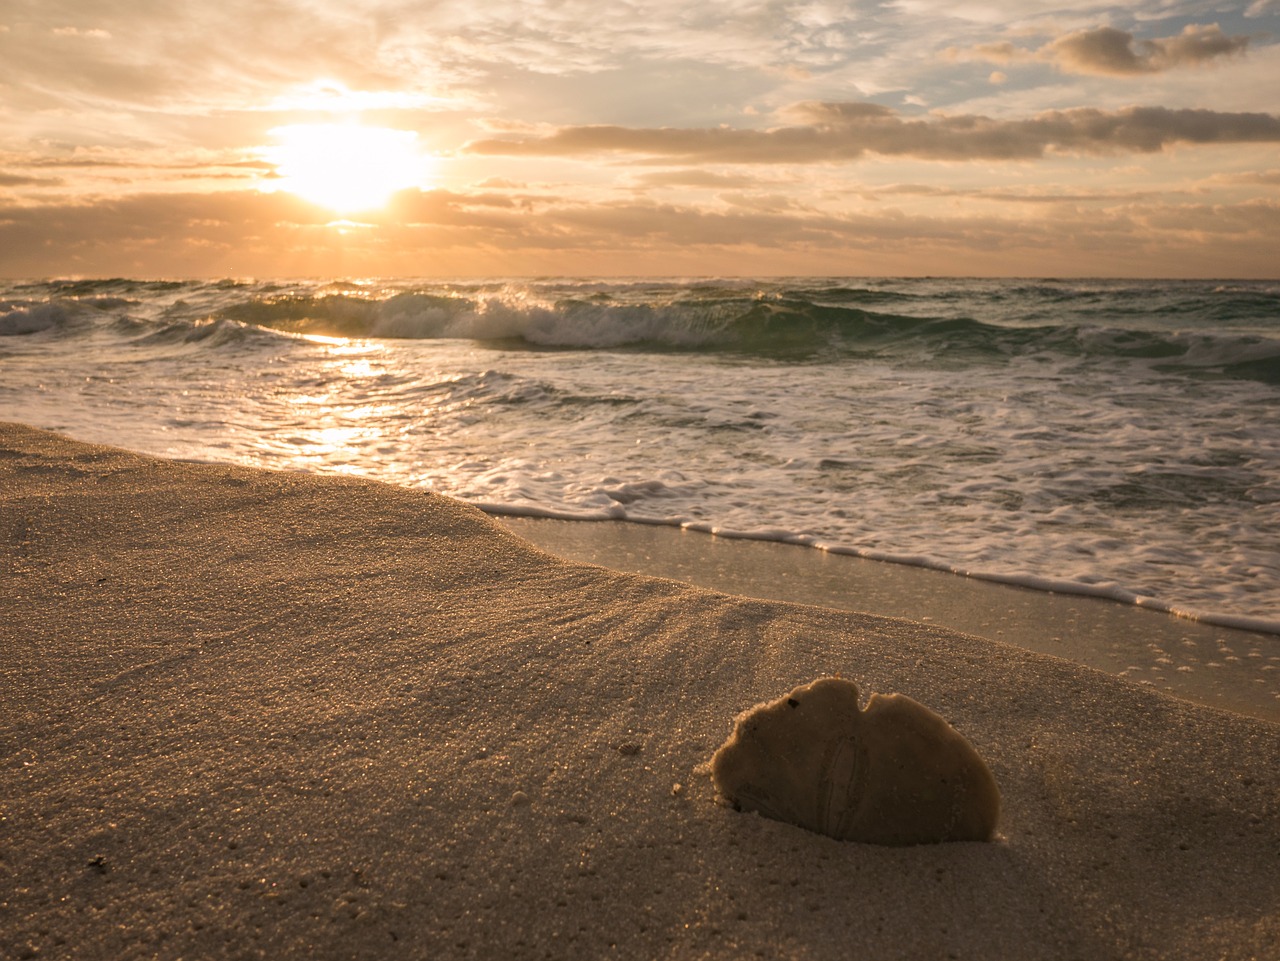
[894, 773]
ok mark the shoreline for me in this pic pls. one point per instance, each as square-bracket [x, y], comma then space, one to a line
[1223, 667]
[1242, 623]
[265, 714]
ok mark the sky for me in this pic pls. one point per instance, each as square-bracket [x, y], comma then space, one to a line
[515, 138]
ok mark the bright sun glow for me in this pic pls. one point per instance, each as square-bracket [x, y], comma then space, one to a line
[345, 167]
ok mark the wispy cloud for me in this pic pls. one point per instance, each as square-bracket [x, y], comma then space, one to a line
[693, 177]
[91, 34]
[1268, 178]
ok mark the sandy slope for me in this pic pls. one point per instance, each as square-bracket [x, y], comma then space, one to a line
[249, 714]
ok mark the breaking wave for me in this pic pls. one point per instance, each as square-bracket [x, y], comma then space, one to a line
[1212, 329]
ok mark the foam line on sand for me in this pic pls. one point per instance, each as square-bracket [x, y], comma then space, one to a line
[252, 714]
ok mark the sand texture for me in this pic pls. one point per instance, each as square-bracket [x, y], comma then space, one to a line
[1220, 667]
[252, 714]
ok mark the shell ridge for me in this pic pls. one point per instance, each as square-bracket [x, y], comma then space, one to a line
[842, 780]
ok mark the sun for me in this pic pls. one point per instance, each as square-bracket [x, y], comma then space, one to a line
[345, 167]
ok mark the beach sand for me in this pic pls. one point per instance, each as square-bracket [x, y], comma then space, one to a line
[252, 714]
[1219, 666]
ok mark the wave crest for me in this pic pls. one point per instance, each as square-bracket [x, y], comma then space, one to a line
[1201, 330]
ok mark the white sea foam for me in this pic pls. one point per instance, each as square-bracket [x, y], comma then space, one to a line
[17, 319]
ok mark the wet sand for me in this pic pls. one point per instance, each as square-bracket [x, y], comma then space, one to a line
[253, 714]
[1218, 666]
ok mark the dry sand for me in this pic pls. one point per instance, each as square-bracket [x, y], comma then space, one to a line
[251, 714]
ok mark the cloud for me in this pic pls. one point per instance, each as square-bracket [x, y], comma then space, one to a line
[22, 180]
[90, 34]
[1001, 53]
[1105, 51]
[826, 132]
[1264, 178]
[694, 178]
[1108, 52]
[501, 183]
[764, 203]
[443, 232]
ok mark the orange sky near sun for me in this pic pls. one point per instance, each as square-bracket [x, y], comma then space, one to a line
[276, 138]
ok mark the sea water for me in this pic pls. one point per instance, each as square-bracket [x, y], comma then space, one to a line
[1113, 438]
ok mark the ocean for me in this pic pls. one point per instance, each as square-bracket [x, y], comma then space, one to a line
[1111, 438]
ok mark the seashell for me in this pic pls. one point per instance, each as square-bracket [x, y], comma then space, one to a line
[894, 773]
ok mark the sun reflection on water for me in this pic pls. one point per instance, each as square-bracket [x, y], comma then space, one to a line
[340, 425]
